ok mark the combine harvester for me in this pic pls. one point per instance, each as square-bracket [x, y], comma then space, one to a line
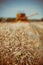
[22, 17]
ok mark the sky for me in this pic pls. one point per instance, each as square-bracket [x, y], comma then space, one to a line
[9, 8]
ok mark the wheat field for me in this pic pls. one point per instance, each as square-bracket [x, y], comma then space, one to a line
[21, 43]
